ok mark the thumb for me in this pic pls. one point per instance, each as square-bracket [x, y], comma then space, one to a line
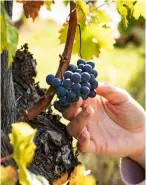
[113, 94]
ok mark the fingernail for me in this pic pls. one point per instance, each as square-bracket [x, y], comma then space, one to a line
[89, 110]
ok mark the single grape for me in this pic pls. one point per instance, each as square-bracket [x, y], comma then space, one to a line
[56, 82]
[94, 85]
[85, 90]
[94, 72]
[68, 74]
[81, 66]
[79, 71]
[58, 107]
[92, 64]
[76, 77]
[76, 87]
[92, 94]
[61, 91]
[64, 102]
[81, 61]
[86, 84]
[71, 96]
[85, 77]
[72, 68]
[67, 83]
[84, 97]
[49, 79]
[92, 78]
[76, 99]
[87, 68]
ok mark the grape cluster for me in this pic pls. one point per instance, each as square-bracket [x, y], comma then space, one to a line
[78, 81]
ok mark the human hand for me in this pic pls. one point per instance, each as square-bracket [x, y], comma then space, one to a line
[111, 124]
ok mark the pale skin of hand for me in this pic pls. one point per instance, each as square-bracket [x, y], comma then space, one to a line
[110, 124]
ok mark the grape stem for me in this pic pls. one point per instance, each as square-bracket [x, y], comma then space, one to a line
[63, 65]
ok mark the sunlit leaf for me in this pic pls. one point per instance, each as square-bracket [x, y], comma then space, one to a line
[125, 8]
[28, 178]
[78, 177]
[140, 9]
[49, 4]
[31, 8]
[21, 139]
[8, 175]
[9, 35]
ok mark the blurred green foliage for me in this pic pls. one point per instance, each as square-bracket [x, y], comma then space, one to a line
[123, 67]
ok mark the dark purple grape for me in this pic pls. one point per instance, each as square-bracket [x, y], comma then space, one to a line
[81, 61]
[85, 77]
[61, 91]
[71, 96]
[76, 77]
[87, 68]
[94, 85]
[68, 74]
[92, 78]
[94, 72]
[79, 71]
[56, 82]
[81, 66]
[72, 68]
[85, 90]
[84, 97]
[76, 87]
[76, 99]
[92, 94]
[49, 79]
[58, 107]
[64, 102]
[86, 84]
[92, 64]
[67, 83]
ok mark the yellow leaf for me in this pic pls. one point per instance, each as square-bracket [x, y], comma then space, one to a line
[8, 175]
[124, 7]
[22, 140]
[49, 4]
[139, 9]
[78, 177]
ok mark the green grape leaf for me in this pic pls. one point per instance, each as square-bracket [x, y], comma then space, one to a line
[8, 175]
[100, 17]
[49, 4]
[82, 11]
[21, 139]
[125, 8]
[9, 35]
[93, 38]
[28, 178]
[139, 9]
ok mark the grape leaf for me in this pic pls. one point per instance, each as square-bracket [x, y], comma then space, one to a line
[28, 178]
[94, 32]
[93, 38]
[31, 8]
[21, 139]
[8, 175]
[9, 35]
[78, 177]
[49, 4]
[139, 9]
[125, 8]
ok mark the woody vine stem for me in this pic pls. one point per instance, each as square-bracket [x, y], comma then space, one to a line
[63, 65]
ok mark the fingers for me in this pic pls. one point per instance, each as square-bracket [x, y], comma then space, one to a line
[76, 126]
[113, 94]
[73, 110]
[85, 144]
